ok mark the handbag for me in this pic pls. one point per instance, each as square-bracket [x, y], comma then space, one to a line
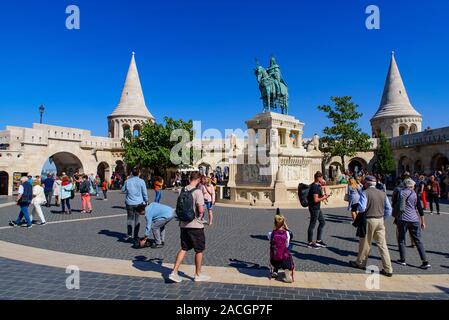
[347, 197]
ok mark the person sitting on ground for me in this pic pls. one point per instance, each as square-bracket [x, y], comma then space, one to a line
[280, 256]
[157, 217]
[411, 219]
[39, 199]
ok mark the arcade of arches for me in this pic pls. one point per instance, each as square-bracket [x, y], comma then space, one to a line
[438, 162]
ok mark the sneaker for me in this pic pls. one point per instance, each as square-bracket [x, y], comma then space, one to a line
[288, 277]
[313, 246]
[425, 265]
[202, 278]
[321, 244]
[12, 223]
[30, 226]
[156, 246]
[43, 223]
[386, 274]
[127, 238]
[84, 211]
[175, 277]
[274, 275]
[402, 262]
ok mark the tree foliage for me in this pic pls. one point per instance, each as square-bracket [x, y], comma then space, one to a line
[152, 147]
[385, 163]
[344, 137]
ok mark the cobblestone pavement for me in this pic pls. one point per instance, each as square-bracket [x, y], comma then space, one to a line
[33, 282]
[237, 239]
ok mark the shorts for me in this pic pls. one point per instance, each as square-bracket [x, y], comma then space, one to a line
[208, 205]
[355, 207]
[193, 239]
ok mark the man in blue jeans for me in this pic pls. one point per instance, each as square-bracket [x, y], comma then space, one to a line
[157, 217]
[136, 194]
[48, 189]
[411, 220]
[24, 200]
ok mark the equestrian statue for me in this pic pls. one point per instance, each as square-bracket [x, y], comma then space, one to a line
[273, 89]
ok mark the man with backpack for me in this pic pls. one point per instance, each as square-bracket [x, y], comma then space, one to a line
[136, 194]
[190, 211]
[314, 199]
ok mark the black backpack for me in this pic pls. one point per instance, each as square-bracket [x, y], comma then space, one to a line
[184, 207]
[303, 194]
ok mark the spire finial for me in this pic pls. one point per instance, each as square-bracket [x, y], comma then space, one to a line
[134, 53]
[392, 53]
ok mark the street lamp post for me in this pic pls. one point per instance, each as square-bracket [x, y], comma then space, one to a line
[41, 112]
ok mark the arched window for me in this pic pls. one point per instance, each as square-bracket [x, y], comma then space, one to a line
[403, 130]
[126, 130]
[136, 130]
[413, 128]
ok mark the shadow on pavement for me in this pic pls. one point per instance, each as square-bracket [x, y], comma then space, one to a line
[250, 268]
[143, 264]
[114, 234]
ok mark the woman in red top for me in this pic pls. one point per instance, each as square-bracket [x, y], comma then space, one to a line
[434, 194]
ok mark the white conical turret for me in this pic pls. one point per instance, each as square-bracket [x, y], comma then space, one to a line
[396, 115]
[131, 110]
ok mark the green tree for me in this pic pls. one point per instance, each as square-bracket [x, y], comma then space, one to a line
[344, 137]
[152, 148]
[385, 163]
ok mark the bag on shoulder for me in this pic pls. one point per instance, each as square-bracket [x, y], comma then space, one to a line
[72, 194]
[278, 247]
[184, 206]
[400, 204]
[303, 193]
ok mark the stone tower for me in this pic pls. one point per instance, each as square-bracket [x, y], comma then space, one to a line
[131, 112]
[396, 115]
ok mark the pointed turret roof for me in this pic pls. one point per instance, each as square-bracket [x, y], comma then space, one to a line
[395, 101]
[132, 101]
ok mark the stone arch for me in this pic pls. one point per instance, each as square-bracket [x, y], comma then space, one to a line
[418, 166]
[440, 162]
[66, 162]
[136, 130]
[405, 164]
[104, 171]
[333, 169]
[205, 168]
[4, 183]
[403, 129]
[413, 128]
[126, 129]
[357, 164]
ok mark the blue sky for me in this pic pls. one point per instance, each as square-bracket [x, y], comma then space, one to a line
[196, 58]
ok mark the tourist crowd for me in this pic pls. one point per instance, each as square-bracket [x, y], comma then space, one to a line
[368, 204]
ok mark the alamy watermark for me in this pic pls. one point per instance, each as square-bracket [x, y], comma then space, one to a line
[372, 22]
[372, 281]
[72, 282]
[73, 21]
